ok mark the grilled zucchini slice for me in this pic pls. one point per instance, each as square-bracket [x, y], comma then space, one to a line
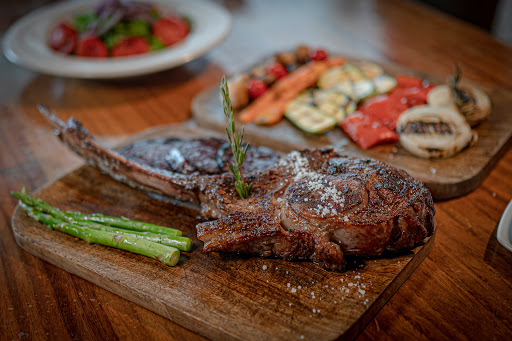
[369, 69]
[332, 101]
[348, 79]
[337, 78]
[308, 117]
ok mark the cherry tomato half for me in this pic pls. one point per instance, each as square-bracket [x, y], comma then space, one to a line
[256, 88]
[63, 38]
[318, 54]
[170, 30]
[130, 46]
[277, 70]
[92, 47]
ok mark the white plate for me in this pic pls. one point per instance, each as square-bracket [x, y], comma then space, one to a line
[26, 41]
[504, 233]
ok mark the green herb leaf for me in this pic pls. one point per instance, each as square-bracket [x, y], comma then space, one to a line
[235, 140]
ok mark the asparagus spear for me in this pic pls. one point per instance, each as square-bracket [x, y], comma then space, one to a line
[179, 242]
[98, 218]
[166, 254]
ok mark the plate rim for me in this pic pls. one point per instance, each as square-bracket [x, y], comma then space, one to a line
[199, 43]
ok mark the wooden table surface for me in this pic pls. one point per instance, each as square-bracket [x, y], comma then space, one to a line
[462, 290]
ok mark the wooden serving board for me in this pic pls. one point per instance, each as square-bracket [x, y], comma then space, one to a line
[446, 179]
[219, 296]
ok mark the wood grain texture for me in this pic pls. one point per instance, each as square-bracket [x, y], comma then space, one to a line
[445, 178]
[462, 290]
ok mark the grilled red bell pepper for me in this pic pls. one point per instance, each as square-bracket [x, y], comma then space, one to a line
[367, 132]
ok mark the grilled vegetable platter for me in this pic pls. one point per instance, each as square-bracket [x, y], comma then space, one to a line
[318, 92]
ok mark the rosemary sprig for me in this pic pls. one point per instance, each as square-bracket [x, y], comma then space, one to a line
[235, 140]
[454, 79]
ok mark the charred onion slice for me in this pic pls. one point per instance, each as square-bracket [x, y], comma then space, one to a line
[433, 132]
[474, 104]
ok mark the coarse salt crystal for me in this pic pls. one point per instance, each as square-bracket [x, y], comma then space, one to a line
[264, 267]
[294, 290]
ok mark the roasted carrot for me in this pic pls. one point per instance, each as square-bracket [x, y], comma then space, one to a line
[269, 108]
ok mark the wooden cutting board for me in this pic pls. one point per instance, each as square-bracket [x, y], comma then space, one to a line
[446, 179]
[219, 296]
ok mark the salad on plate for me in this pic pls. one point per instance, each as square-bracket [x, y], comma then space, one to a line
[118, 28]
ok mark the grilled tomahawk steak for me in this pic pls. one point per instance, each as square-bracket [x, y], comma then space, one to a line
[313, 204]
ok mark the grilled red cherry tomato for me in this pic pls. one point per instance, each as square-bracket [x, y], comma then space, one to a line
[130, 46]
[92, 47]
[277, 70]
[256, 88]
[63, 38]
[318, 54]
[170, 30]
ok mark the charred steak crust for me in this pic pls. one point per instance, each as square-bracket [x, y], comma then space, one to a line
[319, 205]
[309, 205]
